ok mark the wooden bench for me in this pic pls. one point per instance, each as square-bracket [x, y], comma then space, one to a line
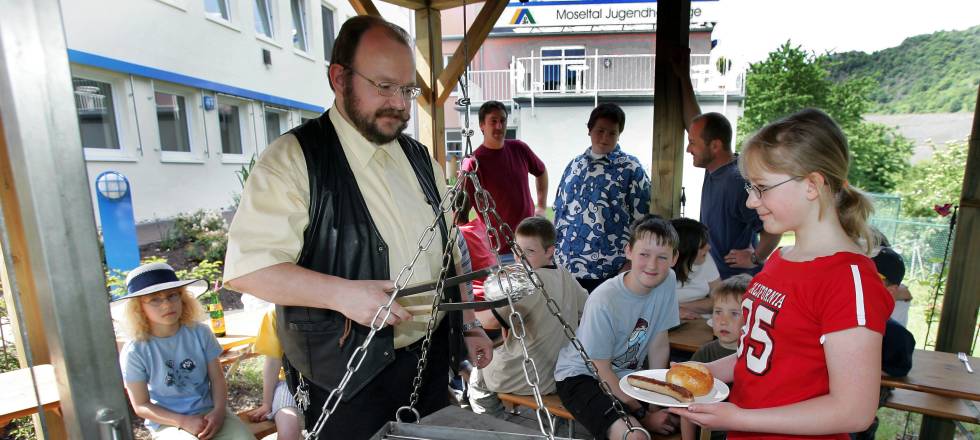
[259, 429]
[932, 405]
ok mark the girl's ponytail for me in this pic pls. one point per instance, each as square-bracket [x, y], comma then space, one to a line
[853, 210]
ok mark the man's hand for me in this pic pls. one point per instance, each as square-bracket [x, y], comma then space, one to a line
[259, 414]
[479, 347]
[740, 258]
[660, 422]
[366, 297]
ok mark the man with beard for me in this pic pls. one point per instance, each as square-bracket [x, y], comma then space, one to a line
[330, 214]
[738, 242]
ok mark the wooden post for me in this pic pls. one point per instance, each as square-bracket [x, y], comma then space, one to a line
[364, 7]
[673, 26]
[961, 301]
[428, 65]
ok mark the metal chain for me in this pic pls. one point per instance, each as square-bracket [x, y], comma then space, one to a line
[486, 208]
[486, 202]
[380, 321]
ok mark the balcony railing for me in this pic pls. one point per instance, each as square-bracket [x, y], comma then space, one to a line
[591, 75]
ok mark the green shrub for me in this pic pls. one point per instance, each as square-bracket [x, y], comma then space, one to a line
[202, 235]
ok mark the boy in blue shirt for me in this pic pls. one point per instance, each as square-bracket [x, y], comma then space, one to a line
[625, 320]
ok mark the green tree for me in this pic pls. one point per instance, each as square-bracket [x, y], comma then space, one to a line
[936, 181]
[792, 79]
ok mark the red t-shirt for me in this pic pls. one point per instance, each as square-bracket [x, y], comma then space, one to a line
[788, 308]
[475, 234]
[504, 173]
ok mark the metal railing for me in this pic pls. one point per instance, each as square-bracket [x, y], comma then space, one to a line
[591, 75]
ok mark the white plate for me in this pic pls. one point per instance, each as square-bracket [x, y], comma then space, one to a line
[717, 394]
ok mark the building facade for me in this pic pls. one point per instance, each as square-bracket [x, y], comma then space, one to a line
[178, 95]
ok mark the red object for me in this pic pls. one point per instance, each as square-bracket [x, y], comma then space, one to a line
[475, 234]
[943, 210]
[504, 173]
[787, 308]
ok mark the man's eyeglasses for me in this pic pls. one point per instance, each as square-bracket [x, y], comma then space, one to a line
[758, 190]
[389, 89]
[158, 301]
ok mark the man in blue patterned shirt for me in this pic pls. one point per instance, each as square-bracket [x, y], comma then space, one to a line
[601, 192]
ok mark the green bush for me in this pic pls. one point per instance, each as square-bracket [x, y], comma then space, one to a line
[202, 235]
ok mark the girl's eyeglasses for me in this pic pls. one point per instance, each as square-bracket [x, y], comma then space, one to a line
[757, 190]
[158, 301]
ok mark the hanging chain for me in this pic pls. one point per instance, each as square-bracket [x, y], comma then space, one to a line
[380, 321]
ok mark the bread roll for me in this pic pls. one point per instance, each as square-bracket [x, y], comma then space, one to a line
[691, 375]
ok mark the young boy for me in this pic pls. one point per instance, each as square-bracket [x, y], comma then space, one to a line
[726, 324]
[891, 267]
[544, 334]
[626, 320]
[277, 402]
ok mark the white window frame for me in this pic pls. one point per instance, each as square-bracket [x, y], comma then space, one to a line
[226, 22]
[245, 127]
[270, 7]
[192, 100]
[333, 9]
[121, 89]
[283, 122]
[460, 141]
[563, 63]
[305, 23]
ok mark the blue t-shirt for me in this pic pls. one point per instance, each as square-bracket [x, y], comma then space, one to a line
[597, 200]
[617, 325]
[174, 368]
[731, 224]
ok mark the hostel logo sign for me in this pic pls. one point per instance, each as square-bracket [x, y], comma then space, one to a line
[522, 16]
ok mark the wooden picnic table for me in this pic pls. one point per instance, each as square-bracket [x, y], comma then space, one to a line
[19, 399]
[690, 335]
[939, 373]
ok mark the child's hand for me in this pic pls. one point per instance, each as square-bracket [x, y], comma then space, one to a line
[259, 414]
[214, 420]
[193, 424]
[660, 422]
[714, 416]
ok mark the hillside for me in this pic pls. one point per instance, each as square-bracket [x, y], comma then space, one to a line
[931, 73]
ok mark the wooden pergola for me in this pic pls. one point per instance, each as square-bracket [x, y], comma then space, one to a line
[50, 246]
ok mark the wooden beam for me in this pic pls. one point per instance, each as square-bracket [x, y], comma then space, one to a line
[668, 115]
[365, 7]
[961, 301]
[474, 39]
[428, 66]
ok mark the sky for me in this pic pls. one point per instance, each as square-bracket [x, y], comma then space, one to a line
[748, 30]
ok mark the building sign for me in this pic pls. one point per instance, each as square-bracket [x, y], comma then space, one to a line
[594, 12]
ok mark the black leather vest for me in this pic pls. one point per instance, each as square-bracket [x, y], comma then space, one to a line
[342, 240]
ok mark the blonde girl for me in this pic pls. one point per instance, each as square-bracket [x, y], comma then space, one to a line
[170, 366]
[809, 362]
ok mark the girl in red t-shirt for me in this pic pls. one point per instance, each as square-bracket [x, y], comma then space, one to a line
[809, 361]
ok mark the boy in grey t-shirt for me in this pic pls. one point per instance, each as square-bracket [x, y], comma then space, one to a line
[625, 320]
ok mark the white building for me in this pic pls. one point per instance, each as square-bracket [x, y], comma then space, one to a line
[179, 94]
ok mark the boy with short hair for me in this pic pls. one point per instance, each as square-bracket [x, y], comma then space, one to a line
[278, 403]
[726, 324]
[544, 334]
[626, 320]
[891, 268]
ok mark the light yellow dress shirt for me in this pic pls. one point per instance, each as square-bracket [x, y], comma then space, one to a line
[274, 212]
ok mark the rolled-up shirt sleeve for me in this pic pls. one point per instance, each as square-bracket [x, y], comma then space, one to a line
[273, 213]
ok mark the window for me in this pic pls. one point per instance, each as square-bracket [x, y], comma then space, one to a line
[230, 127]
[298, 8]
[172, 122]
[563, 68]
[217, 9]
[326, 16]
[96, 114]
[274, 119]
[263, 18]
[454, 143]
